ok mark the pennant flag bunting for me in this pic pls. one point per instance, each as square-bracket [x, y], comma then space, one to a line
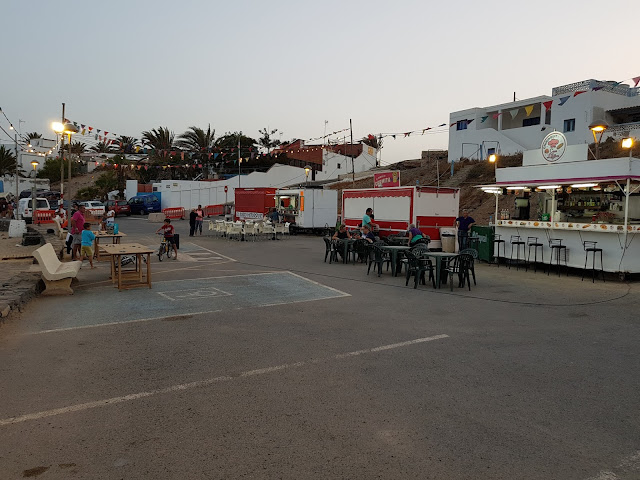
[483, 119]
[528, 109]
[442, 125]
[595, 89]
[547, 104]
[563, 100]
[514, 113]
[496, 115]
[575, 94]
[407, 134]
[636, 80]
[469, 121]
[106, 133]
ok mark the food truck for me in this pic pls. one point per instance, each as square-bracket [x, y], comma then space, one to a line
[583, 200]
[308, 209]
[394, 208]
[253, 203]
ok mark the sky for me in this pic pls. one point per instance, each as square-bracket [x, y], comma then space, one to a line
[126, 66]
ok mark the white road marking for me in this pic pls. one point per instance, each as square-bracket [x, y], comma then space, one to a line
[201, 383]
[211, 251]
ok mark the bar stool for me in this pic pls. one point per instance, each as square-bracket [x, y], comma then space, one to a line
[517, 242]
[497, 240]
[555, 244]
[590, 247]
[533, 242]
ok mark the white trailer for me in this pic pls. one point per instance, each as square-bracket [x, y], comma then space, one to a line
[308, 209]
[394, 208]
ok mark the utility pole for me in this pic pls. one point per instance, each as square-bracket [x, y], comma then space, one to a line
[239, 159]
[15, 140]
[62, 162]
[353, 167]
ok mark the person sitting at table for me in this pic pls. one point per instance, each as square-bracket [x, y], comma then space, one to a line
[367, 234]
[342, 233]
[414, 234]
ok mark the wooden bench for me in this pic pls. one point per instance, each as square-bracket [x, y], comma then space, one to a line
[56, 275]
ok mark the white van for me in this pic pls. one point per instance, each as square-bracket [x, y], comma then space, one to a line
[25, 207]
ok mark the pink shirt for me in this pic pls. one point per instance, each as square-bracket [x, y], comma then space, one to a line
[79, 219]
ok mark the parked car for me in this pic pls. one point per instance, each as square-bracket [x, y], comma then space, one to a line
[121, 207]
[25, 207]
[28, 193]
[144, 204]
[95, 207]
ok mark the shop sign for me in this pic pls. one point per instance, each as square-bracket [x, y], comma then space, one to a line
[553, 146]
[386, 179]
[249, 215]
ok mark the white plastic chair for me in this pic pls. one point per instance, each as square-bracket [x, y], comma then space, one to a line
[234, 231]
[279, 228]
[249, 231]
[268, 231]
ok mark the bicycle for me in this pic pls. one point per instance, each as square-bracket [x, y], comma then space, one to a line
[166, 247]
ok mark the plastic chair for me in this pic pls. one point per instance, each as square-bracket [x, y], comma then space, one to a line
[474, 256]
[590, 247]
[378, 257]
[330, 250]
[460, 266]
[418, 267]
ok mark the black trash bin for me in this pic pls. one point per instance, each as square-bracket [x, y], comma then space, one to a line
[176, 237]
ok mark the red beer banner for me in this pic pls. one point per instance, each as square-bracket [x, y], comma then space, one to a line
[386, 179]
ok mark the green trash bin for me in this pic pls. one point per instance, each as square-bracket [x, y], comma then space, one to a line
[485, 235]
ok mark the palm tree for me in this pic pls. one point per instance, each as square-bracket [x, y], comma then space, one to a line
[196, 139]
[76, 147]
[7, 161]
[127, 144]
[30, 136]
[102, 147]
[159, 139]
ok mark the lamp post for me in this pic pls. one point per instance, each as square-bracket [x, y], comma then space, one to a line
[307, 169]
[65, 129]
[34, 164]
[493, 158]
[597, 128]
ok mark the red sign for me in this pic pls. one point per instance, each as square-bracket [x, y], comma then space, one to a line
[226, 189]
[386, 179]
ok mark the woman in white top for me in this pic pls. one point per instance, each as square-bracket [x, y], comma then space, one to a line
[111, 216]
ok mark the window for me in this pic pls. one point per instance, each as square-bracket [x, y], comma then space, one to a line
[527, 122]
[461, 125]
[570, 125]
[547, 117]
[491, 151]
[339, 167]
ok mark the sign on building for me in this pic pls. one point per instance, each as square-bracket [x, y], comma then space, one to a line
[386, 179]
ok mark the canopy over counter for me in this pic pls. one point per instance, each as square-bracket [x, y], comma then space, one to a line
[583, 200]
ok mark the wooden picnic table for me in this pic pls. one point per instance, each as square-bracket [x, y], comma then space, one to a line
[117, 251]
[115, 239]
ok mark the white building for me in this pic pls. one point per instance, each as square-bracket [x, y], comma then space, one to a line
[522, 125]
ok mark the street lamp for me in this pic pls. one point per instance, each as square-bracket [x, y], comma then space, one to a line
[628, 143]
[597, 128]
[493, 158]
[307, 169]
[34, 164]
[65, 129]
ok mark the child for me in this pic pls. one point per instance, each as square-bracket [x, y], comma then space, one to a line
[87, 241]
[168, 232]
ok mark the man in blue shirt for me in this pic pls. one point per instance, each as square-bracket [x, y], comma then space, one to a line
[463, 224]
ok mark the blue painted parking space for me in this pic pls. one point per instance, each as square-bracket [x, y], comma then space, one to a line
[106, 305]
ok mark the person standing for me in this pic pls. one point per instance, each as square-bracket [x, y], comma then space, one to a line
[366, 219]
[87, 241]
[111, 217]
[192, 221]
[77, 225]
[463, 224]
[274, 216]
[199, 220]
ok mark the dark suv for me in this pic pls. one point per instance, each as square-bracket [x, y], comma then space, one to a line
[121, 207]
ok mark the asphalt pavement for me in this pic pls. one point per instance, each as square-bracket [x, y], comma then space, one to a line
[260, 360]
